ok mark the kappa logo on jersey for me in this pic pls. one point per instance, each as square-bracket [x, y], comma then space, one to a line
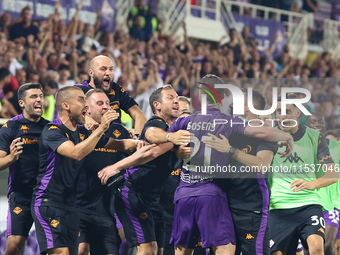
[249, 236]
[81, 136]
[143, 215]
[5, 125]
[117, 133]
[54, 223]
[247, 149]
[24, 128]
[199, 244]
[112, 92]
[293, 158]
[53, 127]
[321, 230]
[17, 210]
[176, 172]
[114, 107]
[271, 243]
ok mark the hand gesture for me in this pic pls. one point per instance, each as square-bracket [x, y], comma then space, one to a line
[301, 185]
[16, 149]
[221, 145]
[181, 137]
[289, 144]
[107, 118]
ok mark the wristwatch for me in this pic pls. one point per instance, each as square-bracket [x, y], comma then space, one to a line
[232, 151]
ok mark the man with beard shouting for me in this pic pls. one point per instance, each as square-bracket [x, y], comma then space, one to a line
[101, 72]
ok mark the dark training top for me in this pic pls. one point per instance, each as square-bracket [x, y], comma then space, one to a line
[149, 178]
[249, 191]
[119, 98]
[90, 190]
[58, 175]
[23, 172]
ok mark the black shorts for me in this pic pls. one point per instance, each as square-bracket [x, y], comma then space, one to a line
[98, 231]
[168, 247]
[142, 221]
[56, 228]
[287, 226]
[19, 217]
[252, 235]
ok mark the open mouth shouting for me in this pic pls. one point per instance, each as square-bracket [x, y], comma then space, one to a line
[38, 108]
[106, 82]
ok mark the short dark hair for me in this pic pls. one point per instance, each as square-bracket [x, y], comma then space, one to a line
[27, 7]
[27, 86]
[52, 84]
[258, 99]
[289, 96]
[211, 80]
[64, 95]
[4, 72]
[63, 67]
[333, 132]
[156, 95]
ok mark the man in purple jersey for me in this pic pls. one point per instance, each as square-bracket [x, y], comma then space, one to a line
[224, 235]
[201, 207]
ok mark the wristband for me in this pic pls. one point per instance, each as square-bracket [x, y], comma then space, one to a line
[167, 137]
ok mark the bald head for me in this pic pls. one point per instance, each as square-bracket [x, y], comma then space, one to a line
[65, 95]
[98, 60]
[101, 72]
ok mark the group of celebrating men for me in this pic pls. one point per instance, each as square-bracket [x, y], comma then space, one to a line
[59, 171]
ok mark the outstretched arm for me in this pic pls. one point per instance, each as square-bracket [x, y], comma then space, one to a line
[142, 156]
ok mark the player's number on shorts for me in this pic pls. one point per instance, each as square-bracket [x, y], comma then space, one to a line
[197, 144]
[316, 221]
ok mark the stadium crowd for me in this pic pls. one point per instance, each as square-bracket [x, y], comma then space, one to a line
[143, 61]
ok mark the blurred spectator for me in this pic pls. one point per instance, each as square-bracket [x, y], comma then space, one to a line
[139, 9]
[137, 31]
[65, 74]
[20, 75]
[7, 109]
[49, 89]
[336, 10]
[24, 27]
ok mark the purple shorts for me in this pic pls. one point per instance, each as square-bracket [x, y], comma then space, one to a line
[118, 223]
[332, 218]
[205, 215]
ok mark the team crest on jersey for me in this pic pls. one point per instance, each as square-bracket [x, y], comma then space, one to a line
[117, 133]
[24, 128]
[53, 127]
[54, 223]
[112, 92]
[143, 215]
[321, 230]
[5, 125]
[293, 158]
[249, 236]
[81, 136]
[247, 149]
[114, 107]
[199, 244]
[17, 210]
